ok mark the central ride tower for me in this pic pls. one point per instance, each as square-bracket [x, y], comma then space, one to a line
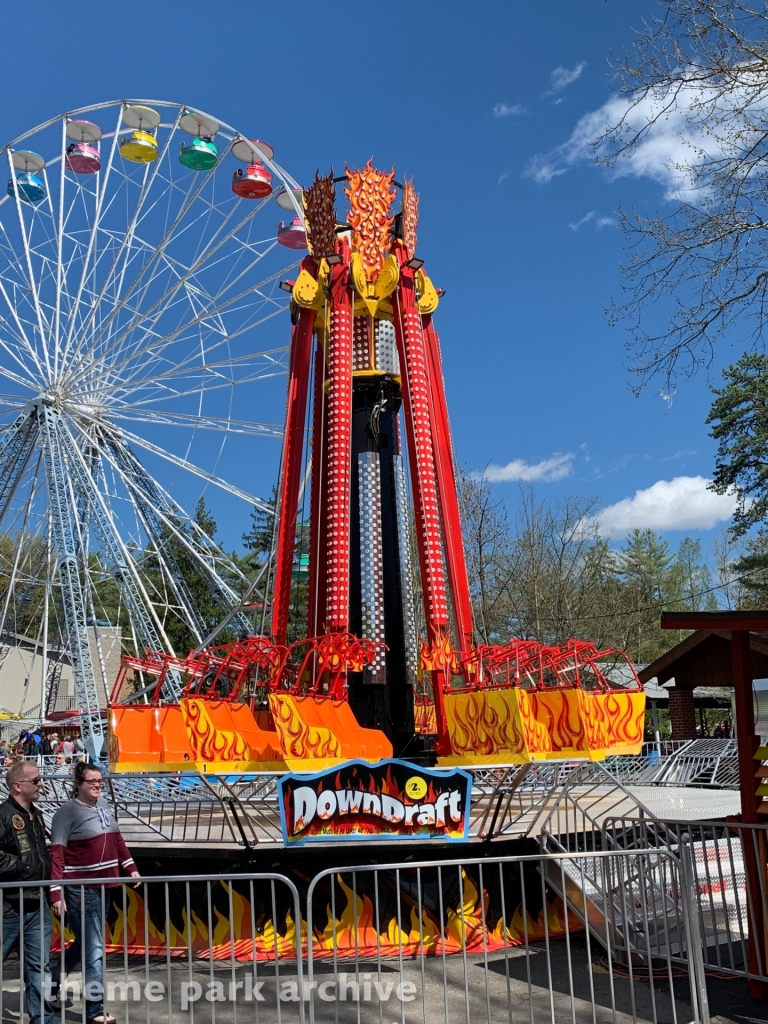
[383, 485]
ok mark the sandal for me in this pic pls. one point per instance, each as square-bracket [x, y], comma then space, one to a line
[105, 1018]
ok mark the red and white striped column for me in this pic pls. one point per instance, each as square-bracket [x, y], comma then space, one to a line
[338, 448]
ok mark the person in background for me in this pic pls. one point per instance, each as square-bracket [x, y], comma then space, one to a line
[66, 747]
[45, 747]
[24, 857]
[79, 747]
[86, 843]
[5, 750]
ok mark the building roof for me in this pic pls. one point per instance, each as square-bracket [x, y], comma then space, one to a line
[663, 668]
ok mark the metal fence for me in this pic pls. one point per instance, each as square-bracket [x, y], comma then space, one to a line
[726, 862]
[488, 940]
[441, 942]
[166, 949]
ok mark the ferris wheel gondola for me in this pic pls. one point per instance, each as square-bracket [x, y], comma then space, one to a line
[138, 294]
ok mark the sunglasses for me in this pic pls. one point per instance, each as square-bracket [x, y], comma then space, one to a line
[33, 782]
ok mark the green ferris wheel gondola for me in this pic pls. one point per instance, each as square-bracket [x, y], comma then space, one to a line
[199, 155]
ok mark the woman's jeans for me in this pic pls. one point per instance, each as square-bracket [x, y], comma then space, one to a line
[34, 945]
[84, 921]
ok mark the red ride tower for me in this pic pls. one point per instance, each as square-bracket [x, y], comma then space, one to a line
[363, 335]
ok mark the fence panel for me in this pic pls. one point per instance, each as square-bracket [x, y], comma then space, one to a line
[487, 940]
[730, 900]
[194, 950]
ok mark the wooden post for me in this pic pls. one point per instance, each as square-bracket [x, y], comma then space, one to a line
[747, 743]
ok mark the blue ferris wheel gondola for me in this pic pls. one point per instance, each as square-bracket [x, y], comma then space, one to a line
[30, 187]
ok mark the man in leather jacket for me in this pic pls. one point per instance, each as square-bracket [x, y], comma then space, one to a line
[24, 857]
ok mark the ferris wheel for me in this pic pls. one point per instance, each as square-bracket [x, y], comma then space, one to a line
[140, 267]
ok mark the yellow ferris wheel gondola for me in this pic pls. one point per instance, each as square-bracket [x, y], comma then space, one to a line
[140, 145]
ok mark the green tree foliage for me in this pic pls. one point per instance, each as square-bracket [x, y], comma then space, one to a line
[739, 419]
[548, 574]
[198, 583]
[258, 539]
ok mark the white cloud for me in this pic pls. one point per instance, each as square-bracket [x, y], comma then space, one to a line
[600, 222]
[680, 137]
[584, 220]
[554, 468]
[508, 110]
[684, 503]
[562, 77]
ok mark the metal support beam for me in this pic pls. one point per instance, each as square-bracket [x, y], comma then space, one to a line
[290, 474]
[149, 634]
[73, 603]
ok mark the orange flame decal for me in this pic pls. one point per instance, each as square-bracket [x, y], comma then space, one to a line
[207, 741]
[370, 195]
[299, 738]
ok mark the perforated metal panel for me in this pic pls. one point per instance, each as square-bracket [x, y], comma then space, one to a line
[361, 344]
[371, 563]
[406, 577]
[387, 360]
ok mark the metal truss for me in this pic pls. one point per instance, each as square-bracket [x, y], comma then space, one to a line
[73, 603]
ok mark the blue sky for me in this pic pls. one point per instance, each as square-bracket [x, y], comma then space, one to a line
[478, 103]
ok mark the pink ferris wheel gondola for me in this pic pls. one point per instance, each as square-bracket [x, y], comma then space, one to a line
[82, 155]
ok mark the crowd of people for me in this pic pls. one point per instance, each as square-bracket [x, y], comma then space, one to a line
[35, 744]
[85, 843]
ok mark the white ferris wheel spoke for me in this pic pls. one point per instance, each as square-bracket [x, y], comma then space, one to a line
[190, 467]
[157, 345]
[100, 198]
[163, 300]
[28, 259]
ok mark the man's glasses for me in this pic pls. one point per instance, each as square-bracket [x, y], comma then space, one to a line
[33, 782]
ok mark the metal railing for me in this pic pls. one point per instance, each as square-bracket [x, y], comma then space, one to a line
[724, 862]
[488, 940]
[242, 810]
[478, 940]
[727, 862]
[163, 949]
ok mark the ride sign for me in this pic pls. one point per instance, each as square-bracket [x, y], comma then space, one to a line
[388, 799]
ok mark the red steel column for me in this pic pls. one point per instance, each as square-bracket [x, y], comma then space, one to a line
[418, 427]
[290, 482]
[446, 482]
[317, 515]
[339, 439]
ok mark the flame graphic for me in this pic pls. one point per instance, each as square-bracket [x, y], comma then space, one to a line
[370, 195]
[425, 719]
[298, 738]
[467, 926]
[625, 715]
[561, 713]
[494, 723]
[207, 741]
[438, 656]
[247, 931]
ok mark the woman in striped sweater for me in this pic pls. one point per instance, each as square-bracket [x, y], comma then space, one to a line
[86, 844]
